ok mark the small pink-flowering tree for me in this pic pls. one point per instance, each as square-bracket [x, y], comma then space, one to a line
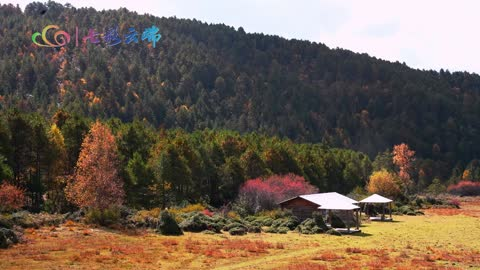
[264, 194]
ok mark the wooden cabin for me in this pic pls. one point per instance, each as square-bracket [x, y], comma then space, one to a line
[303, 207]
[300, 207]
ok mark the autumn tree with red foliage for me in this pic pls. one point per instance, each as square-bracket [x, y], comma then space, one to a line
[403, 158]
[465, 188]
[96, 182]
[265, 194]
[11, 197]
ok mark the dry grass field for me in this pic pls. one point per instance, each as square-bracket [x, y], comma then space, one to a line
[442, 239]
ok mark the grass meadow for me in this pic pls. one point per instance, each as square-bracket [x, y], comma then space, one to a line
[441, 239]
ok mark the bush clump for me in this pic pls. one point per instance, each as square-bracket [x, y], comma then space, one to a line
[181, 213]
[282, 230]
[234, 224]
[237, 231]
[406, 210]
[262, 221]
[144, 218]
[272, 230]
[5, 222]
[313, 225]
[254, 229]
[103, 217]
[199, 222]
[333, 232]
[24, 220]
[7, 238]
[290, 222]
[167, 225]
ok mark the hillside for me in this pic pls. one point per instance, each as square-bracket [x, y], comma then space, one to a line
[201, 75]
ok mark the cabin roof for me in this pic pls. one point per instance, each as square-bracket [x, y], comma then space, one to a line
[329, 200]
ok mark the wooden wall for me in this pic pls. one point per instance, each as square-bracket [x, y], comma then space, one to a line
[301, 208]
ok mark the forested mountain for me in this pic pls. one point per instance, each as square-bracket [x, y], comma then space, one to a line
[213, 76]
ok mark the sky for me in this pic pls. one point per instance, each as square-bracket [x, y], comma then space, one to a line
[424, 34]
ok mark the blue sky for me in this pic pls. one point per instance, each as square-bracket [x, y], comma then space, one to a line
[424, 34]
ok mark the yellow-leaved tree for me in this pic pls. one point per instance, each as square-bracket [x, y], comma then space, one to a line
[384, 183]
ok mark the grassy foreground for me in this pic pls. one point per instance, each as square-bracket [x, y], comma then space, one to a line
[442, 239]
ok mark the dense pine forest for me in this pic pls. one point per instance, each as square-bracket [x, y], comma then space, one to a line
[211, 106]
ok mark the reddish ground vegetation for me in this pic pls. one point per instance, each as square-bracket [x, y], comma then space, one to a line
[465, 188]
[469, 206]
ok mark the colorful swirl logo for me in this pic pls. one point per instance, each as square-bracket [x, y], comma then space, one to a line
[60, 38]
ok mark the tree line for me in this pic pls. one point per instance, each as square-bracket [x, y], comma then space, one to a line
[155, 167]
[214, 76]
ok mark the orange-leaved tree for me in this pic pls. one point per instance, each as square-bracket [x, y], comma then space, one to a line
[384, 183]
[96, 182]
[403, 157]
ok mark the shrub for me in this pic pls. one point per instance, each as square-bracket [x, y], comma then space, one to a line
[267, 222]
[317, 217]
[288, 222]
[275, 213]
[3, 241]
[337, 222]
[264, 194]
[7, 238]
[465, 188]
[283, 222]
[5, 223]
[282, 229]
[233, 215]
[254, 229]
[145, 218]
[199, 222]
[262, 221]
[179, 213]
[312, 225]
[198, 207]
[237, 231]
[11, 197]
[167, 224]
[24, 220]
[272, 230]
[333, 232]
[103, 217]
[405, 210]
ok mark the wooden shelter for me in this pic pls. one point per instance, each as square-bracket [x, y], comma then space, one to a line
[377, 199]
[303, 207]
